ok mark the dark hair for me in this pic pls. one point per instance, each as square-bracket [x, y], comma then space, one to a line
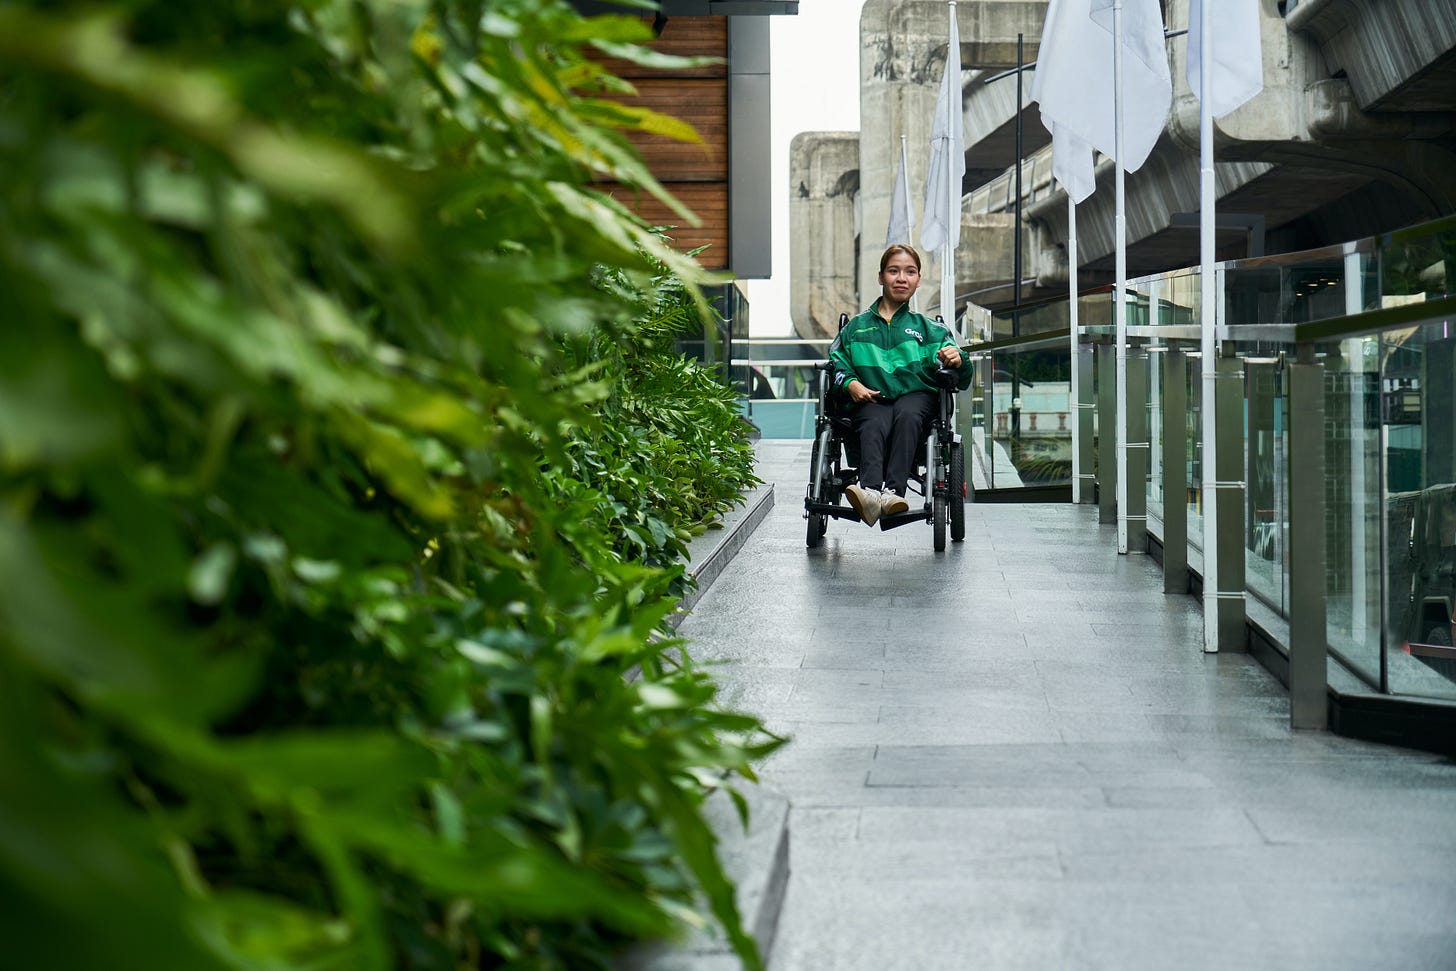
[905, 248]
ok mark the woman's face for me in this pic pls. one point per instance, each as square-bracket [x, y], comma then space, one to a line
[900, 277]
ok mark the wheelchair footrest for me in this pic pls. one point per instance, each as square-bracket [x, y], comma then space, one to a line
[902, 518]
[830, 509]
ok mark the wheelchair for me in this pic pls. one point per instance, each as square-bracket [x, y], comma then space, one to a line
[939, 477]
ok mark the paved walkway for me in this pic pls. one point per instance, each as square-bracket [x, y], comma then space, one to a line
[1013, 755]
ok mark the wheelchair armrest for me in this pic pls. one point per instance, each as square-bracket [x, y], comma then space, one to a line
[946, 377]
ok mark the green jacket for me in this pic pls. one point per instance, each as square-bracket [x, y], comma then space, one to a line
[893, 358]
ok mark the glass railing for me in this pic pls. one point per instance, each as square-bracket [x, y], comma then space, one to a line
[778, 383]
[1378, 316]
[1018, 421]
[1094, 309]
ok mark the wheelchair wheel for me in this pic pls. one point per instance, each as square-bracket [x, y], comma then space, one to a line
[821, 469]
[939, 523]
[957, 493]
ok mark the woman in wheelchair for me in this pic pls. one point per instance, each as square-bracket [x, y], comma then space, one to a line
[885, 360]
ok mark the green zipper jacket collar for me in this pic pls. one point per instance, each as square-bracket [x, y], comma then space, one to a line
[893, 357]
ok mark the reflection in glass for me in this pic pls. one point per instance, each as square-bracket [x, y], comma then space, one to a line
[1155, 439]
[1419, 459]
[1352, 506]
[1193, 434]
[1265, 516]
[1019, 423]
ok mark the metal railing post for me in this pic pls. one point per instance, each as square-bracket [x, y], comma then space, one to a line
[1138, 457]
[1229, 494]
[1175, 471]
[1107, 433]
[1082, 413]
[1308, 642]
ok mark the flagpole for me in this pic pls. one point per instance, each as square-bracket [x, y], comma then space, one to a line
[952, 195]
[1120, 294]
[1076, 394]
[909, 212]
[904, 163]
[1207, 343]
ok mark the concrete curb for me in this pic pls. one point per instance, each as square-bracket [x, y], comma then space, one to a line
[756, 860]
[710, 553]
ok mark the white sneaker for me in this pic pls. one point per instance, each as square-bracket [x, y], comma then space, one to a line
[893, 505]
[866, 502]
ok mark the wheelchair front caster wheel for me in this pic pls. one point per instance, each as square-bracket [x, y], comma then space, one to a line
[818, 526]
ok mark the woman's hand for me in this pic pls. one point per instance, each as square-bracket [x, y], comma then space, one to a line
[859, 394]
[949, 356]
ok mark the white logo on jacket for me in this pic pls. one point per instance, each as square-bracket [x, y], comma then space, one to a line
[919, 337]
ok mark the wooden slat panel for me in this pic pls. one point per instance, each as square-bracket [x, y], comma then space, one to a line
[697, 174]
[702, 104]
[683, 37]
[707, 200]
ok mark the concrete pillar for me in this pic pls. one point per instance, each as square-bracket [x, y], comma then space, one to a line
[823, 186]
[902, 56]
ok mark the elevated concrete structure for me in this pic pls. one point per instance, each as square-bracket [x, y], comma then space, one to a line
[824, 175]
[1353, 135]
[902, 56]
[990, 124]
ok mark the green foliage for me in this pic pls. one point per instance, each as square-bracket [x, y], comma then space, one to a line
[673, 449]
[344, 473]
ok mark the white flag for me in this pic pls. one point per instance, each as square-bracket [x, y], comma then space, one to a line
[899, 209]
[1147, 84]
[947, 154]
[1238, 68]
[1073, 165]
[1074, 76]
[1072, 162]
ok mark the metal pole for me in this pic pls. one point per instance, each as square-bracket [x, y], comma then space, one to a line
[909, 212]
[1208, 322]
[1120, 295]
[1354, 355]
[1016, 256]
[1075, 404]
[953, 196]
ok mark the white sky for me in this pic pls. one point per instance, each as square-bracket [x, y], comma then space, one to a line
[814, 60]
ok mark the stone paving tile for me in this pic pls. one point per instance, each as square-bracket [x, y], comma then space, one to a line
[858, 859]
[730, 661]
[739, 695]
[844, 656]
[1016, 755]
[827, 826]
[822, 712]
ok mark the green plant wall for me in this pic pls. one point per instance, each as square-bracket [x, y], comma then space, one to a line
[344, 473]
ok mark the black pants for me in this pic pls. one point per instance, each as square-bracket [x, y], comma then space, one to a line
[890, 433]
